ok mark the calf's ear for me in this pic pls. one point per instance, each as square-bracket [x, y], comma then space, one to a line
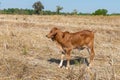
[63, 35]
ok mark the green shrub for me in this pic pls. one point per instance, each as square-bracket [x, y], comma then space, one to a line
[100, 12]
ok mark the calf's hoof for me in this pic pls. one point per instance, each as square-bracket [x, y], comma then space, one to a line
[67, 68]
[60, 66]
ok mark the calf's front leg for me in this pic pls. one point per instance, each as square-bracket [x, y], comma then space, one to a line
[61, 62]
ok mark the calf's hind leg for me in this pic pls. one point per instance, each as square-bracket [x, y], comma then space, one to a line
[92, 55]
[68, 58]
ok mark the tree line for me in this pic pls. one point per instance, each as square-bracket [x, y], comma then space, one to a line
[38, 8]
[45, 12]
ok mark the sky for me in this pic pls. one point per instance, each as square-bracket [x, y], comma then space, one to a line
[84, 6]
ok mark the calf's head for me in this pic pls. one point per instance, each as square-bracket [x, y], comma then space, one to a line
[52, 33]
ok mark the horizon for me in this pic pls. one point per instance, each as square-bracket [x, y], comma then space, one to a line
[80, 6]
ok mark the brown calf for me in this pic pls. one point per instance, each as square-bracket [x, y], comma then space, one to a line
[68, 41]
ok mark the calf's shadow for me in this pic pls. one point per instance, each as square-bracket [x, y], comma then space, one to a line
[73, 61]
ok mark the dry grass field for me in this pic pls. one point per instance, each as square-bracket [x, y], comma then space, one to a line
[26, 54]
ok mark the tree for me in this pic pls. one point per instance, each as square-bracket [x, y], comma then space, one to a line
[75, 12]
[58, 8]
[38, 7]
[100, 12]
